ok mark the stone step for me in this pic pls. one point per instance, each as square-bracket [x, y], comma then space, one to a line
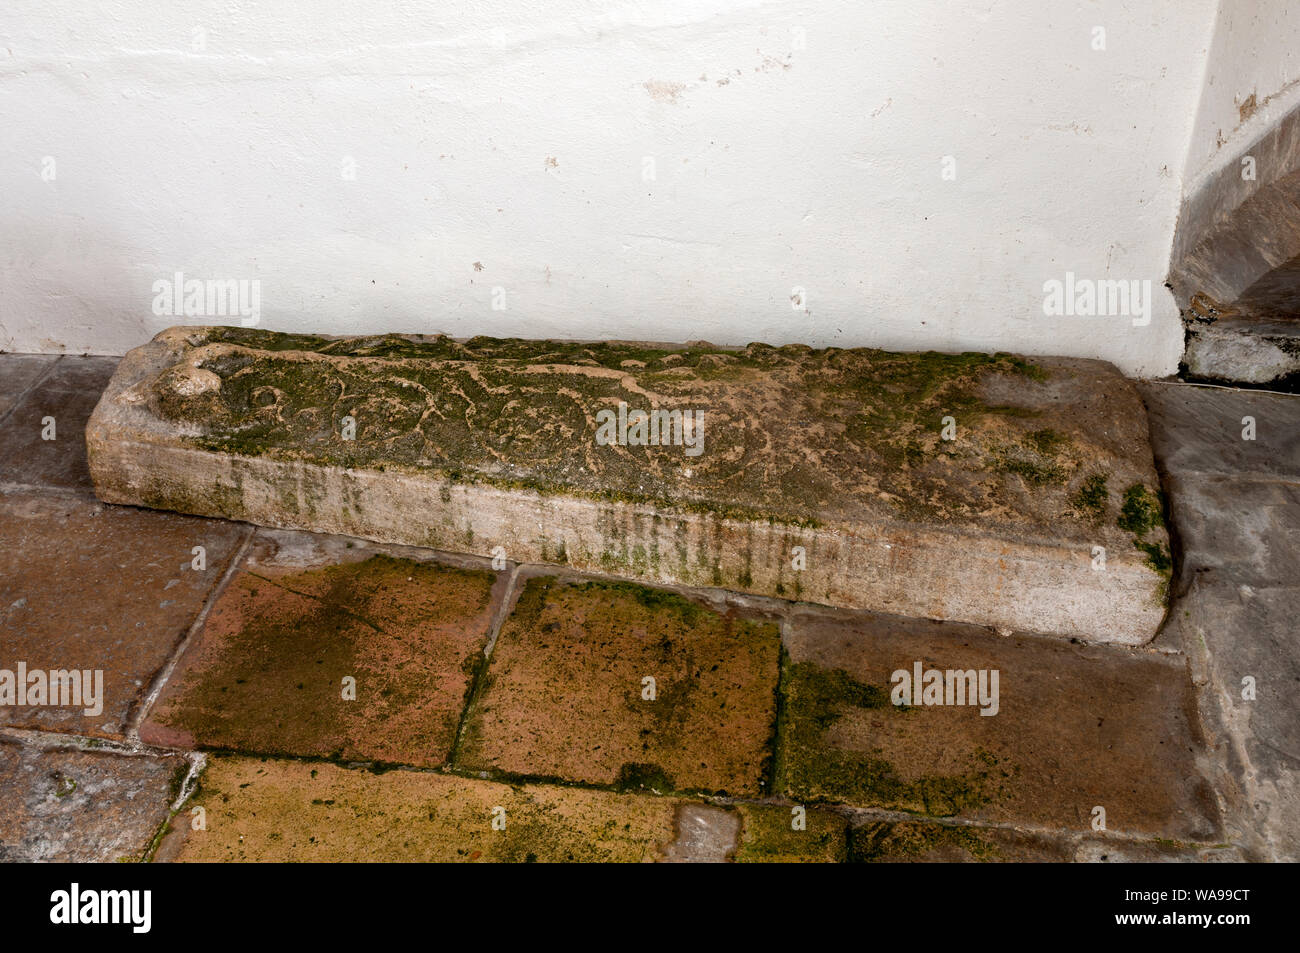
[1263, 352]
[982, 488]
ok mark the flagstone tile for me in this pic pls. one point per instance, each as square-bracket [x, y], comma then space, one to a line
[568, 692]
[272, 810]
[96, 588]
[1071, 732]
[327, 647]
[18, 372]
[63, 400]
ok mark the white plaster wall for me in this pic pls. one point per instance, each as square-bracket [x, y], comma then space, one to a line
[796, 143]
[1252, 79]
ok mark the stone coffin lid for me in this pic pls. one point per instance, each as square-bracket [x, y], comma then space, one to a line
[540, 448]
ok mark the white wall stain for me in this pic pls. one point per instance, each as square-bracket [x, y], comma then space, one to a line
[1251, 79]
[225, 162]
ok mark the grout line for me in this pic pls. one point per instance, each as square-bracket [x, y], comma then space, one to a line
[503, 610]
[198, 761]
[43, 739]
[479, 680]
[780, 714]
[165, 673]
[1238, 390]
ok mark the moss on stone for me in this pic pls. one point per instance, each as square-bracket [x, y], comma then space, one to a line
[1092, 499]
[270, 681]
[176, 783]
[903, 397]
[909, 840]
[1141, 512]
[812, 766]
[823, 694]
[517, 414]
[768, 835]
[1047, 441]
[1037, 458]
[640, 778]
[650, 598]
[1032, 468]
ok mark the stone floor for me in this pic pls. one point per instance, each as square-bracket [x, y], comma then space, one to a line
[273, 695]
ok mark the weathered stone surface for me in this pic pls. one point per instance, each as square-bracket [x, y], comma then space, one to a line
[18, 372]
[470, 446]
[1197, 431]
[1097, 850]
[769, 836]
[565, 691]
[1235, 632]
[90, 587]
[1249, 530]
[1233, 230]
[82, 806]
[303, 613]
[930, 842]
[1076, 727]
[1252, 350]
[705, 835]
[1235, 267]
[68, 394]
[269, 810]
[1236, 506]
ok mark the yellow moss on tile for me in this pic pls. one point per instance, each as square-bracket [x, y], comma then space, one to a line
[770, 833]
[267, 674]
[273, 810]
[567, 694]
[890, 842]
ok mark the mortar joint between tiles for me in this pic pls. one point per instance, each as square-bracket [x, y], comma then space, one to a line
[165, 673]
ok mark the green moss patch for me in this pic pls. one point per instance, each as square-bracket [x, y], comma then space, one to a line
[775, 834]
[812, 764]
[792, 434]
[628, 687]
[886, 841]
[1038, 458]
[1142, 512]
[1092, 499]
[1047, 441]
